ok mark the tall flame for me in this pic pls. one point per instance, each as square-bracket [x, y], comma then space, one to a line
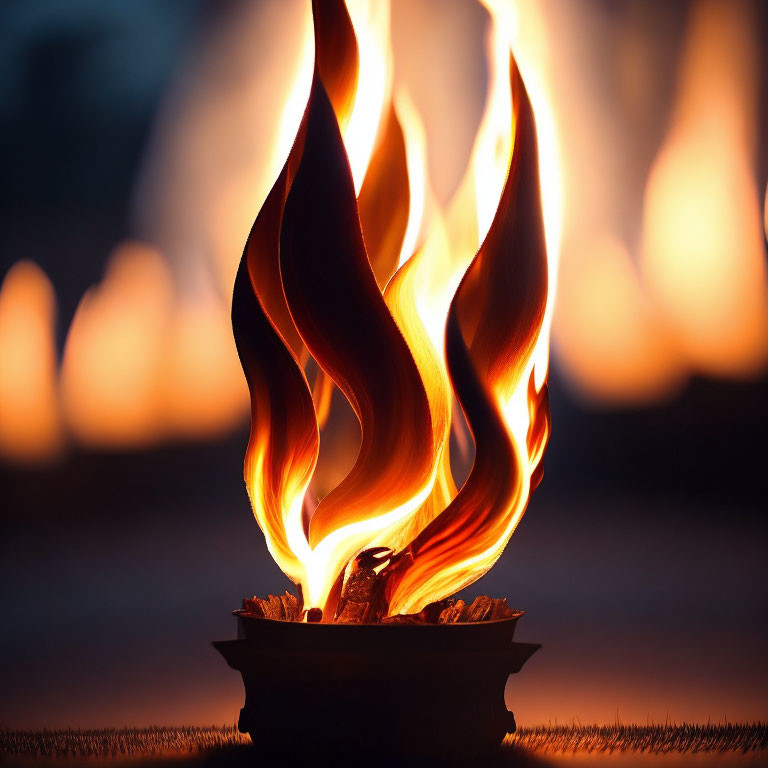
[316, 282]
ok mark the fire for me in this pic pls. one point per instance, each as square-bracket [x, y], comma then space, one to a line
[131, 343]
[663, 267]
[662, 246]
[30, 425]
[370, 21]
[402, 308]
[703, 252]
[114, 349]
[614, 343]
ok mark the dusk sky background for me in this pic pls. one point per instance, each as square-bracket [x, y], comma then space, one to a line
[640, 562]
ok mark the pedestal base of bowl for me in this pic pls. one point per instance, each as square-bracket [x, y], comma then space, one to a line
[371, 689]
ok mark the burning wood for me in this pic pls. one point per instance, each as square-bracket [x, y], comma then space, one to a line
[363, 601]
[294, 660]
[287, 607]
[356, 610]
[403, 331]
[450, 611]
[362, 598]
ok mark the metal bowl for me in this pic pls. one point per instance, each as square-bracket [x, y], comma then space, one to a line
[372, 689]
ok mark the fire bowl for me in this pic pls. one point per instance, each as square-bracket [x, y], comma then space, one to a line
[367, 689]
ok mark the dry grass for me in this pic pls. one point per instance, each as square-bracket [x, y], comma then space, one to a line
[656, 739]
[118, 742]
[135, 743]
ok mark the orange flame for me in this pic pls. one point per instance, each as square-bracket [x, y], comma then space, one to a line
[114, 352]
[703, 253]
[131, 343]
[30, 428]
[637, 315]
[316, 280]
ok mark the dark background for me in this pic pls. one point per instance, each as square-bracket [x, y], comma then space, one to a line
[641, 560]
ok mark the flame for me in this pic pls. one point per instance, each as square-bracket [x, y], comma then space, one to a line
[532, 52]
[703, 256]
[493, 145]
[418, 296]
[130, 347]
[315, 282]
[416, 160]
[693, 283]
[614, 343]
[221, 136]
[115, 349]
[201, 392]
[370, 21]
[30, 427]
[631, 322]
[490, 351]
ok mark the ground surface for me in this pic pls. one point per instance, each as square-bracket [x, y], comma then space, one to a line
[622, 746]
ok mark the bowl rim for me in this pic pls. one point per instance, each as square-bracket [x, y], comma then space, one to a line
[242, 613]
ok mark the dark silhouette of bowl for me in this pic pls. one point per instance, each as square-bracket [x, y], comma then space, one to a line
[372, 689]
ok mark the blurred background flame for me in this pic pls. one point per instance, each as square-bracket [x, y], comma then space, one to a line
[654, 203]
[703, 252]
[140, 140]
[30, 426]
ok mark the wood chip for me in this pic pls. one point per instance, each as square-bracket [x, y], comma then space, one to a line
[287, 607]
[486, 608]
[292, 606]
[253, 605]
[362, 596]
[362, 602]
[453, 613]
[353, 613]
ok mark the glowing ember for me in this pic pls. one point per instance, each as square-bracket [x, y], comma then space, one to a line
[463, 315]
